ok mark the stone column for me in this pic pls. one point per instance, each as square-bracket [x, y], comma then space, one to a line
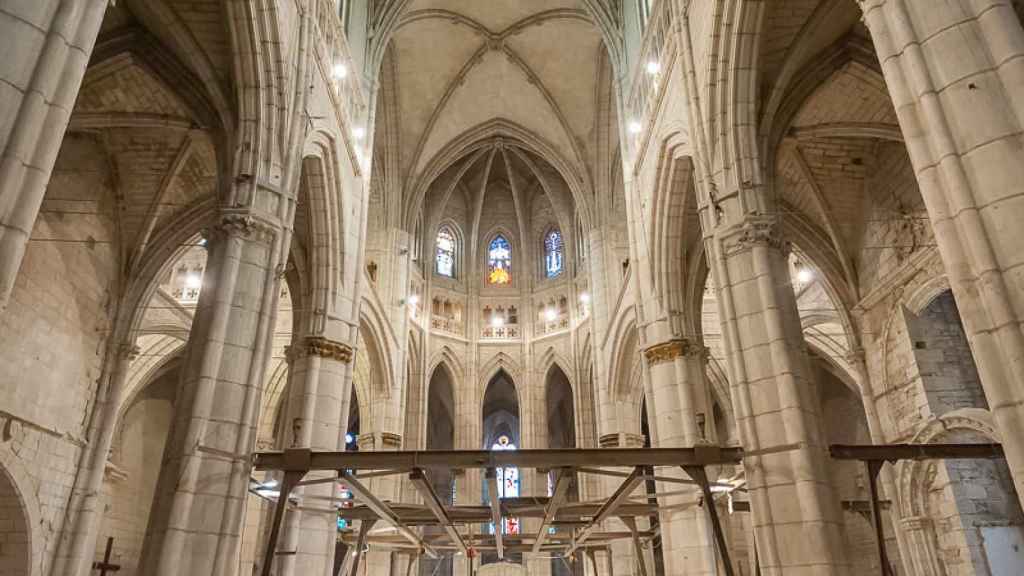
[387, 488]
[196, 522]
[797, 519]
[954, 72]
[317, 417]
[862, 376]
[79, 547]
[676, 370]
[50, 43]
[622, 559]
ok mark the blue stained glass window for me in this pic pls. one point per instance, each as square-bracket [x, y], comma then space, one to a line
[444, 261]
[554, 254]
[499, 261]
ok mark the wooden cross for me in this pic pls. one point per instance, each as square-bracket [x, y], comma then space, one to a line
[105, 566]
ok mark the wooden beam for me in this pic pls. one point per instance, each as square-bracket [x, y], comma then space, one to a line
[551, 458]
[492, 492]
[384, 512]
[893, 452]
[422, 483]
[607, 509]
[562, 483]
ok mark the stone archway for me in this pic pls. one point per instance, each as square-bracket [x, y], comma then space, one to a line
[989, 532]
[15, 535]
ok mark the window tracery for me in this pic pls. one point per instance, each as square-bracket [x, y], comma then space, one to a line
[554, 254]
[499, 261]
[444, 259]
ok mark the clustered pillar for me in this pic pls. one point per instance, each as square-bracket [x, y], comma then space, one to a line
[680, 408]
[196, 522]
[317, 418]
[961, 111]
[51, 42]
[797, 518]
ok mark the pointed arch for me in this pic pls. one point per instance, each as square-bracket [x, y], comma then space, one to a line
[553, 248]
[22, 553]
[448, 250]
[500, 271]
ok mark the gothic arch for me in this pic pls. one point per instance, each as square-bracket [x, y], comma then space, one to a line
[485, 135]
[445, 356]
[912, 475]
[501, 362]
[21, 508]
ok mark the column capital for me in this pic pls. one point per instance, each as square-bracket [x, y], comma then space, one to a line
[752, 231]
[380, 441]
[672, 349]
[242, 225]
[319, 346]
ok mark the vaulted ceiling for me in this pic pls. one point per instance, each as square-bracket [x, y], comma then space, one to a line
[454, 65]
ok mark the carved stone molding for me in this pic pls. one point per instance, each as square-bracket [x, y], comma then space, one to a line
[128, 351]
[319, 346]
[243, 226]
[677, 348]
[754, 231]
[380, 441]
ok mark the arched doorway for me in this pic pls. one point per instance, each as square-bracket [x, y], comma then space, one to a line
[501, 432]
[965, 514]
[440, 435]
[15, 540]
[561, 423]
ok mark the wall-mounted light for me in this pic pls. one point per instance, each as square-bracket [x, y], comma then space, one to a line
[339, 72]
[635, 127]
[653, 67]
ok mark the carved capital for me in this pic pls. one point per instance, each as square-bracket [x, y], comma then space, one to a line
[380, 441]
[390, 440]
[245, 227]
[669, 351]
[319, 346]
[752, 232]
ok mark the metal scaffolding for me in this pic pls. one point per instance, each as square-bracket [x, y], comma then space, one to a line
[578, 524]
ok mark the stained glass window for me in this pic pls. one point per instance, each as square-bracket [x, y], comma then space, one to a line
[554, 256]
[445, 258]
[499, 261]
[508, 485]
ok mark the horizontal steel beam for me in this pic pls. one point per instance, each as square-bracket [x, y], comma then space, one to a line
[893, 452]
[567, 513]
[466, 459]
